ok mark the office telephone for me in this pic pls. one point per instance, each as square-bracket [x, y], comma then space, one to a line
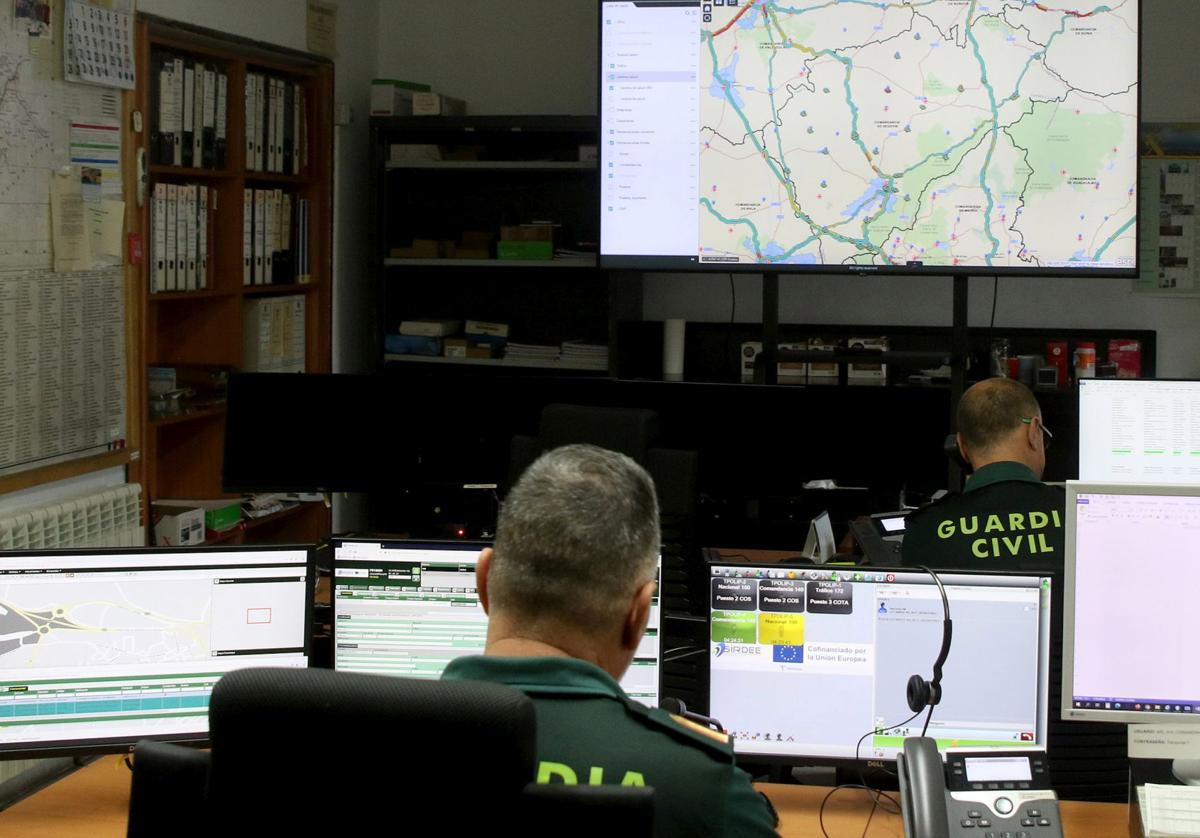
[992, 795]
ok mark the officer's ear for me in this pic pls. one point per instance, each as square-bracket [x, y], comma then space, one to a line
[482, 568]
[962, 449]
[637, 616]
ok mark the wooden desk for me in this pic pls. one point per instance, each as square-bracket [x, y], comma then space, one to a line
[846, 815]
[92, 803]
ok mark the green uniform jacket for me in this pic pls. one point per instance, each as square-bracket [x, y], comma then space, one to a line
[1005, 519]
[589, 731]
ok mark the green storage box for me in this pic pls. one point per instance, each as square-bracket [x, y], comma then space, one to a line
[524, 250]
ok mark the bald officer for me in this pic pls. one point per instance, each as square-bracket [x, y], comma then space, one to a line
[568, 592]
[1005, 518]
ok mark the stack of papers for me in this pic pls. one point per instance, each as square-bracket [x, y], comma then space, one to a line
[1170, 811]
[590, 356]
[531, 352]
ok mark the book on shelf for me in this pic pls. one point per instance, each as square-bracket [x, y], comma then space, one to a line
[412, 345]
[430, 328]
[484, 328]
[273, 334]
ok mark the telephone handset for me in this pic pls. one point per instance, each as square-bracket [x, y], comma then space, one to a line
[975, 794]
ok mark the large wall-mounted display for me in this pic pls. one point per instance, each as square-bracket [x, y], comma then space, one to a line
[945, 136]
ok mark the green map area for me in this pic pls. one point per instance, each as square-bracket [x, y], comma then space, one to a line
[947, 133]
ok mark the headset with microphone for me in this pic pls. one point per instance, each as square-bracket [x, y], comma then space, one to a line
[923, 693]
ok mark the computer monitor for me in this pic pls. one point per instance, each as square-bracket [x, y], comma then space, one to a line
[806, 662]
[906, 138]
[1131, 613]
[1138, 431]
[102, 648]
[408, 608]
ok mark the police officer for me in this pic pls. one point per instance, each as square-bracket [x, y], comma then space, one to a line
[1005, 517]
[568, 592]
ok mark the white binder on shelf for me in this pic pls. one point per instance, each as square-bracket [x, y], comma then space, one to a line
[172, 237]
[158, 242]
[297, 112]
[189, 227]
[280, 92]
[178, 117]
[251, 121]
[189, 114]
[269, 236]
[222, 128]
[260, 235]
[209, 118]
[202, 239]
[272, 124]
[288, 260]
[198, 117]
[260, 126]
[247, 237]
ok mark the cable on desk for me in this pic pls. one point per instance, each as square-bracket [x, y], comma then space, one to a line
[877, 794]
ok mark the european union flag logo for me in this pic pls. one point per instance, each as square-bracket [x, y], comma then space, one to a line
[787, 654]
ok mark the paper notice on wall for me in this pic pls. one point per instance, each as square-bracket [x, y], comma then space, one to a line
[96, 150]
[107, 225]
[322, 28]
[69, 236]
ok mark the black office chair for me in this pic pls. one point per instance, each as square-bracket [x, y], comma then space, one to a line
[316, 752]
[305, 751]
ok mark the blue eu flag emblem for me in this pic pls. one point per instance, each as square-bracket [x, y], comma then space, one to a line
[787, 654]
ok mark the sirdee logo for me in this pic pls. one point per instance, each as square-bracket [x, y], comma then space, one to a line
[732, 649]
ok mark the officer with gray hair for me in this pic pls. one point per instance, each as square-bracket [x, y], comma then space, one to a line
[568, 589]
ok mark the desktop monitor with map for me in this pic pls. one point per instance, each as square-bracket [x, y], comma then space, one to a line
[935, 137]
[102, 648]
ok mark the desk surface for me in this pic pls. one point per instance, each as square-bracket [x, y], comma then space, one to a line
[92, 803]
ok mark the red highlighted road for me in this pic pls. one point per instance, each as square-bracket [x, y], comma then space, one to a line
[745, 9]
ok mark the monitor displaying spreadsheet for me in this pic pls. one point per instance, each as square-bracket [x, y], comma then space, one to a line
[408, 608]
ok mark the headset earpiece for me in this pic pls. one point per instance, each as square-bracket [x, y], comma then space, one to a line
[918, 693]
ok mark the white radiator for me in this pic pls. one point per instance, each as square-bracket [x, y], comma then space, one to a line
[105, 518]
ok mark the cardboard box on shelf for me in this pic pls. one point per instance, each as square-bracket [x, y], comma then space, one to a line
[789, 372]
[394, 97]
[822, 372]
[220, 514]
[177, 524]
[867, 370]
[438, 104]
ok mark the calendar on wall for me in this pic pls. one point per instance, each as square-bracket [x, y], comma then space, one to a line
[99, 45]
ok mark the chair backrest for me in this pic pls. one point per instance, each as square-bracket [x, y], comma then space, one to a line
[631, 431]
[308, 750]
[169, 791]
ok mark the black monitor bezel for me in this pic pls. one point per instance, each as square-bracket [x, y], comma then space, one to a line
[689, 264]
[874, 762]
[119, 745]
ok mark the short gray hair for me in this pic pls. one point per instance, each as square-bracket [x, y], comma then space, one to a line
[577, 535]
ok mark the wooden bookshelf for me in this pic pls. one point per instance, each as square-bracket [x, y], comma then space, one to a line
[181, 456]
